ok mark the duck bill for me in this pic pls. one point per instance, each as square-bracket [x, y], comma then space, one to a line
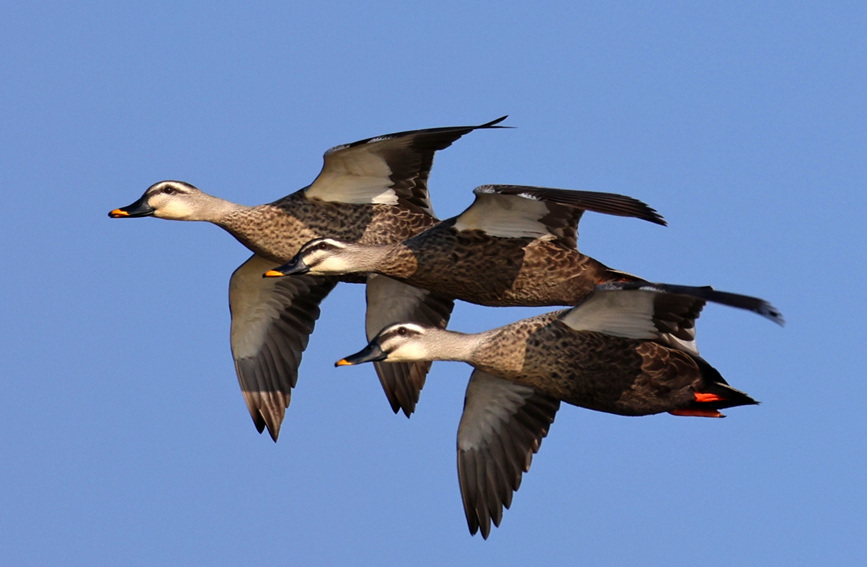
[138, 209]
[370, 353]
[293, 267]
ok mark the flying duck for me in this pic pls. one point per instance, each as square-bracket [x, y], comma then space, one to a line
[514, 246]
[372, 191]
[610, 353]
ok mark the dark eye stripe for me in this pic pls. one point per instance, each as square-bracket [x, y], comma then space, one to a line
[402, 332]
[168, 190]
[314, 246]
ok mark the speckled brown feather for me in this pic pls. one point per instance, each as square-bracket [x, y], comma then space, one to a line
[594, 370]
[278, 230]
[590, 356]
[496, 271]
[275, 232]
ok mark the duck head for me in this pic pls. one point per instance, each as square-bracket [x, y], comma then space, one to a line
[174, 200]
[330, 257]
[402, 342]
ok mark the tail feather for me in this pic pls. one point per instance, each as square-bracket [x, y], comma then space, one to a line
[717, 394]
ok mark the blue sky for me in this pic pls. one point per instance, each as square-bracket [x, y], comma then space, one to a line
[124, 436]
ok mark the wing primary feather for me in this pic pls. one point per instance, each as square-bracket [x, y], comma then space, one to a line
[706, 293]
[501, 428]
[271, 325]
[600, 202]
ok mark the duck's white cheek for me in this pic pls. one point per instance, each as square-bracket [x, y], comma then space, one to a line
[326, 265]
[409, 352]
[173, 210]
[338, 265]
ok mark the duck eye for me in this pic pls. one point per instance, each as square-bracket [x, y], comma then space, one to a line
[169, 190]
[402, 331]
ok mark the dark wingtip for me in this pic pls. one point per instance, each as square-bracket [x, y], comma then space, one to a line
[644, 211]
[596, 201]
[273, 428]
[393, 404]
[747, 302]
[493, 123]
[655, 217]
[770, 312]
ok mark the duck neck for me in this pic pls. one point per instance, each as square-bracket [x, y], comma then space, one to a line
[450, 345]
[384, 259]
[262, 229]
[217, 210]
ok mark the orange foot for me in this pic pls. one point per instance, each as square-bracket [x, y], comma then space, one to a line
[697, 413]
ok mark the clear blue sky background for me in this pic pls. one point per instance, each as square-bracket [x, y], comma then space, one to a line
[123, 434]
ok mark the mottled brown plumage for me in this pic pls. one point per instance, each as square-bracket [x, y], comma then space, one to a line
[496, 271]
[617, 352]
[515, 246]
[592, 369]
[370, 192]
[279, 229]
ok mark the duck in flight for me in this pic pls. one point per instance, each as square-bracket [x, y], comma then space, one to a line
[610, 353]
[514, 246]
[372, 191]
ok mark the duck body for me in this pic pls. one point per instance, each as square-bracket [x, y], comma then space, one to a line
[370, 192]
[614, 352]
[496, 271]
[514, 246]
[276, 231]
[601, 372]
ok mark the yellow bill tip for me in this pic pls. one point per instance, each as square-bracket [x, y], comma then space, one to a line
[342, 362]
[273, 274]
[118, 213]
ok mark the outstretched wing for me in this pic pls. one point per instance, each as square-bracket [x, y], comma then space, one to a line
[390, 301]
[392, 169]
[517, 211]
[272, 319]
[654, 311]
[502, 426]
[706, 293]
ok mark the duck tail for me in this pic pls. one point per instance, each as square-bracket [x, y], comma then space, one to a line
[712, 394]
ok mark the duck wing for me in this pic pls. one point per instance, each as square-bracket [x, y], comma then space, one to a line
[272, 319]
[668, 292]
[390, 301]
[654, 311]
[502, 426]
[392, 169]
[519, 211]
